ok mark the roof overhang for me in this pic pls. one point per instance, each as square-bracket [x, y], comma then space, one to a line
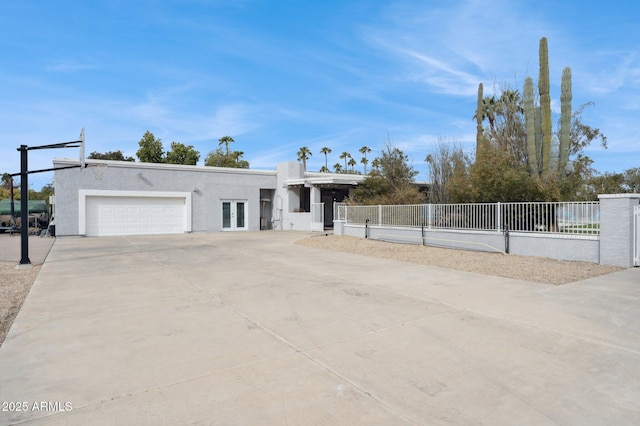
[327, 180]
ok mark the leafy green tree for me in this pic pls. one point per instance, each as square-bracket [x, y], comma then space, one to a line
[151, 150]
[110, 155]
[608, 183]
[6, 180]
[632, 180]
[582, 135]
[391, 183]
[495, 177]
[4, 193]
[218, 158]
[5, 188]
[45, 192]
[303, 155]
[444, 160]
[225, 140]
[627, 181]
[182, 154]
[326, 151]
[395, 167]
[237, 155]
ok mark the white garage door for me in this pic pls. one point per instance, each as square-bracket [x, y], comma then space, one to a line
[135, 215]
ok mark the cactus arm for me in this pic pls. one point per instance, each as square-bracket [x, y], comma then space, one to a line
[530, 124]
[479, 116]
[545, 105]
[565, 120]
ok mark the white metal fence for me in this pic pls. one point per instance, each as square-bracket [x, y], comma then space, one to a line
[317, 216]
[575, 218]
[339, 211]
[636, 236]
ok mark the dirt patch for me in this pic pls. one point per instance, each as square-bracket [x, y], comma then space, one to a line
[536, 269]
[15, 284]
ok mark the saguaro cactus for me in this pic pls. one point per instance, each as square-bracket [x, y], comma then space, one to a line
[479, 129]
[545, 105]
[530, 123]
[565, 120]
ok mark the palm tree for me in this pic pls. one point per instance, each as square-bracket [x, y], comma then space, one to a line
[490, 105]
[325, 150]
[352, 163]
[303, 155]
[226, 140]
[375, 164]
[337, 167]
[364, 151]
[344, 156]
[364, 161]
[324, 169]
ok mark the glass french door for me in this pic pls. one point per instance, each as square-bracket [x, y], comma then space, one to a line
[234, 215]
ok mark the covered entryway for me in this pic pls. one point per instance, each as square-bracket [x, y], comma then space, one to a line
[109, 213]
[329, 197]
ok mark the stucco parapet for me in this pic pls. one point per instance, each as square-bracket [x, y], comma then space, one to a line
[618, 196]
[162, 166]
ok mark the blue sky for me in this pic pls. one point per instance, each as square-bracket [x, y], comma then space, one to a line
[277, 75]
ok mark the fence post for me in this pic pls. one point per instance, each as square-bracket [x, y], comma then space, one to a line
[379, 214]
[430, 214]
[498, 217]
[616, 228]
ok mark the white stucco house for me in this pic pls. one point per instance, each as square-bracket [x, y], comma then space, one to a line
[131, 198]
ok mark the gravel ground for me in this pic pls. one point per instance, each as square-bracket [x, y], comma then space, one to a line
[14, 287]
[536, 269]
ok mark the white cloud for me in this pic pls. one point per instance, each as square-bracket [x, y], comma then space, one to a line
[69, 66]
[233, 119]
[454, 46]
[444, 77]
[615, 70]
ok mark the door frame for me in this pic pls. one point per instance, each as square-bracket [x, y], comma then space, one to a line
[234, 211]
[84, 193]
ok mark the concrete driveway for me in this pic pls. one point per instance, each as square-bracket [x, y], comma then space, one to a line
[248, 328]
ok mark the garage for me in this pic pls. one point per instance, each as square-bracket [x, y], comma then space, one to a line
[134, 214]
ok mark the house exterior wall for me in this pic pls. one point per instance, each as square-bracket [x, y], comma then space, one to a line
[206, 188]
[208, 185]
[289, 198]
